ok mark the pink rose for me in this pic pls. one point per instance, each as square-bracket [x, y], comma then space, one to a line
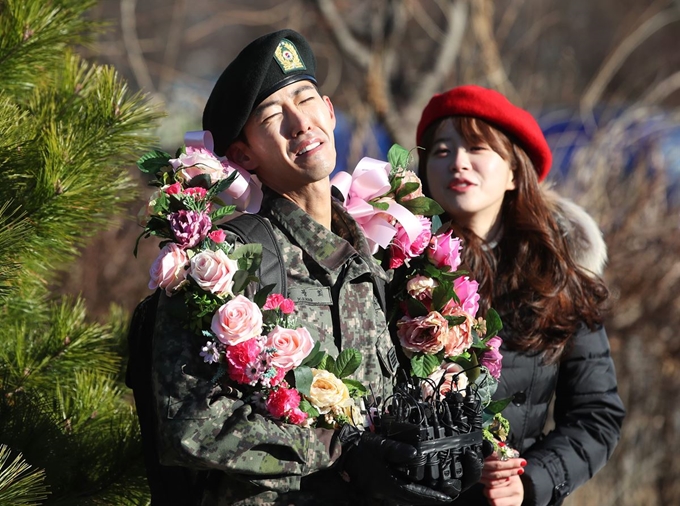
[247, 361]
[420, 287]
[217, 236]
[423, 333]
[168, 271]
[292, 346]
[274, 300]
[287, 306]
[444, 251]
[466, 289]
[236, 321]
[448, 378]
[213, 271]
[459, 337]
[174, 189]
[197, 162]
[492, 358]
[402, 249]
[189, 227]
[282, 401]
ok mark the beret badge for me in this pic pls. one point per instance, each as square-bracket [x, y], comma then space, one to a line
[288, 57]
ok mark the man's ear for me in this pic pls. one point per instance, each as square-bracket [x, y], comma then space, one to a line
[239, 153]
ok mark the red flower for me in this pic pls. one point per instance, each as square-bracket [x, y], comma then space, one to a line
[282, 401]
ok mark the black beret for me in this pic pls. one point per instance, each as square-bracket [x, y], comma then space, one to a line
[263, 67]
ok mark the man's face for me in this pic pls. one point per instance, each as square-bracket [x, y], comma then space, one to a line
[290, 142]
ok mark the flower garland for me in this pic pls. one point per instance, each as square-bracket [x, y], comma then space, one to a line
[450, 348]
[257, 346]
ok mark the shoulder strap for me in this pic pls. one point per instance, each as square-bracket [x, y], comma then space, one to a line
[253, 228]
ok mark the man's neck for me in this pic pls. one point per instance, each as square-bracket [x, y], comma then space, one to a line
[315, 200]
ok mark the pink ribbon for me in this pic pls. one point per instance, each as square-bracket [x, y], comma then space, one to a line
[245, 191]
[370, 180]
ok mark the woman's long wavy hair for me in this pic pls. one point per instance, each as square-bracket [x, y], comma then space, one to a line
[530, 277]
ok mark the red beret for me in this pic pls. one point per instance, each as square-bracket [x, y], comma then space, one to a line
[495, 109]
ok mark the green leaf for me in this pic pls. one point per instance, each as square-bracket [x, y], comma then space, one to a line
[241, 280]
[347, 362]
[248, 256]
[398, 156]
[493, 323]
[422, 365]
[314, 357]
[442, 294]
[356, 388]
[415, 307]
[436, 223]
[261, 296]
[308, 408]
[383, 206]
[202, 180]
[153, 161]
[303, 379]
[454, 321]
[221, 185]
[221, 212]
[495, 407]
[424, 206]
[407, 189]
[327, 364]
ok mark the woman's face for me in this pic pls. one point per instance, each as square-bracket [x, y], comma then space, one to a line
[468, 180]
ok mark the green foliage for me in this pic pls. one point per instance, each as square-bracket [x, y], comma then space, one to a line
[19, 485]
[69, 131]
[422, 365]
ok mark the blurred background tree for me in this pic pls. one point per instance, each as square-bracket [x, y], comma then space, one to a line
[69, 130]
[602, 77]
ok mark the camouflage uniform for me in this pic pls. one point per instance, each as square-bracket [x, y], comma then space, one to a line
[251, 459]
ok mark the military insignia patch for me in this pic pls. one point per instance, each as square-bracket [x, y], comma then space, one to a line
[288, 58]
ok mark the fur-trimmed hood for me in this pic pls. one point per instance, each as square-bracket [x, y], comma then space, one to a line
[583, 234]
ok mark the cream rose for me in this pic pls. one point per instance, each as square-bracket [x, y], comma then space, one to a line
[420, 287]
[449, 378]
[237, 321]
[168, 270]
[328, 391]
[292, 346]
[459, 337]
[213, 271]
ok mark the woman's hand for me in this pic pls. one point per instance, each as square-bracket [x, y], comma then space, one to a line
[502, 483]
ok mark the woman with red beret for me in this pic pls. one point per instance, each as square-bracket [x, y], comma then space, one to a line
[538, 260]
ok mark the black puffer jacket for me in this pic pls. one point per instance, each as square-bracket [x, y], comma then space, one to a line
[588, 411]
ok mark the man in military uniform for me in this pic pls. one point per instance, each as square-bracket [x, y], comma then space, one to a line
[266, 114]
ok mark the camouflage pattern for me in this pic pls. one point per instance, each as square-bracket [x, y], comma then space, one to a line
[205, 426]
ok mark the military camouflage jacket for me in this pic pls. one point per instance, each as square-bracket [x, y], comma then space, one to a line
[245, 458]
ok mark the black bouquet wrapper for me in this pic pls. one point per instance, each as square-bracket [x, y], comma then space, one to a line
[446, 430]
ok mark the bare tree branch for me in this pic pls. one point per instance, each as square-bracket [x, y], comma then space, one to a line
[482, 27]
[131, 42]
[428, 25]
[668, 86]
[622, 51]
[172, 45]
[233, 17]
[347, 43]
[456, 18]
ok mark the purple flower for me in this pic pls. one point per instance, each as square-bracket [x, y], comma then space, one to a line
[189, 227]
[492, 358]
[210, 353]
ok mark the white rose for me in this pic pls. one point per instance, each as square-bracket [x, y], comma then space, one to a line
[213, 271]
[328, 391]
